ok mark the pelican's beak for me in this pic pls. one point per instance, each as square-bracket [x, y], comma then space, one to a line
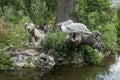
[59, 24]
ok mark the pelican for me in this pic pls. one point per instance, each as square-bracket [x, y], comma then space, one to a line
[70, 27]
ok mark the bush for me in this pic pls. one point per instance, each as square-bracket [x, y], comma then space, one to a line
[99, 18]
[92, 15]
[109, 36]
[118, 24]
[5, 62]
[92, 56]
[38, 11]
[12, 15]
[56, 41]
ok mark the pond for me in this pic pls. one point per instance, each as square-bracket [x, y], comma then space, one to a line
[108, 70]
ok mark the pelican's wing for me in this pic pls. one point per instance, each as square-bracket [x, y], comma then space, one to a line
[77, 27]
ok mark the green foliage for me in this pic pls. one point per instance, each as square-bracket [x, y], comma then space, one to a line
[13, 34]
[109, 36]
[96, 14]
[93, 12]
[92, 56]
[38, 11]
[12, 10]
[56, 41]
[5, 62]
[118, 24]
[52, 6]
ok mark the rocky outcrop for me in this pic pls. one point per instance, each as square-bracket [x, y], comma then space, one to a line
[92, 40]
[34, 58]
[31, 58]
[24, 58]
[46, 61]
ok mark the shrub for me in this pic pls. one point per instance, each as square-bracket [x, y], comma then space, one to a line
[38, 11]
[118, 24]
[56, 41]
[92, 15]
[5, 62]
[12, 15]
[109, 36]
[92, 56]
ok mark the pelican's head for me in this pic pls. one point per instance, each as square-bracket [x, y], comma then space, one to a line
[65, 23]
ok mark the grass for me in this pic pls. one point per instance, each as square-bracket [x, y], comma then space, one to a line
[12, 34]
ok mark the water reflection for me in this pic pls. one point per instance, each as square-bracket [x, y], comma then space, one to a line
[114, 70]
[26, 74]
[108, 70]
[82, 73]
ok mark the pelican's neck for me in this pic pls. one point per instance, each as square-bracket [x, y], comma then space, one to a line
[63, 28]
[68, 22]
[65, 24]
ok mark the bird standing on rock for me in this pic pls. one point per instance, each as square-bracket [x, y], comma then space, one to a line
[70, 27]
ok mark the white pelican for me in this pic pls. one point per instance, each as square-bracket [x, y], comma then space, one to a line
[70, 27]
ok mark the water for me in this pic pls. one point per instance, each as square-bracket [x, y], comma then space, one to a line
[108, 70]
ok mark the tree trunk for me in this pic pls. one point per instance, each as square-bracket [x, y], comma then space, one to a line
[65, 10]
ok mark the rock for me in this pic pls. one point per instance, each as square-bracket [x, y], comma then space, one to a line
[94, 41]
[46, 61]
[31, 57]
[24, 58]
[30, 52]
